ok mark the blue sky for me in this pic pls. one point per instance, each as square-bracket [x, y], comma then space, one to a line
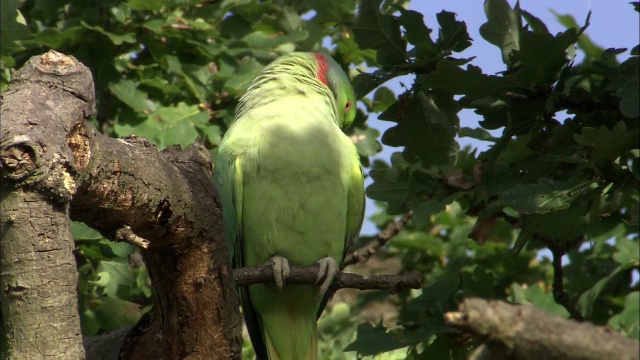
[614, 23]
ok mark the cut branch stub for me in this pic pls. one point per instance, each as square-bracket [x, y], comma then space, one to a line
[18, 160]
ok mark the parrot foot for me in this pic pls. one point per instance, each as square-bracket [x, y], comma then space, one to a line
[328, 270]
[280, 268]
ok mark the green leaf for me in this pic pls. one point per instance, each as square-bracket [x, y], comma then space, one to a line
[235, 26]
[141, 5]
[425, 129]
[339, 314]
[477, 133]
[439, 295]
[373, 340]
[628, 320]
[443, 348]
[243, 75]
[423, 212]
[502, 28]
[382, 99]
[118, 249]
[590, 49]
[169, 125]
[472, 82]
[543, 56]
[81, 231]
[260, 40]
[13, 27]
[588, 298]
[212, 133]
[630, 97]
[112, 313]
[607, 145]
[561, 226]
[364, 83]
[143, 282]
[350, 52]
[112, 276]
[127, 92]
[390, 184]
[627, 251]
[534, 295]
[421, 241]
[366, 140]
[332, 11]
[89, 323]
[116, 39]
[453, 35]
[417, 33]
[535, 23]
[544, 196]
[480, 283]
[374, 30]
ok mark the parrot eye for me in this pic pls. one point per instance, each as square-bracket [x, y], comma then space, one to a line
[347, 106]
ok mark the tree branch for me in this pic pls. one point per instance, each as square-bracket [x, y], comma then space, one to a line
[526, 333]
[362, 255]
[308, 276]
[126, 234]
[168, 199]
[54, 167]
[559, 294]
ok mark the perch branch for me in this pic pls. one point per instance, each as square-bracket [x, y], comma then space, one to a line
[526, 333]
[361, 255]
[308, 275]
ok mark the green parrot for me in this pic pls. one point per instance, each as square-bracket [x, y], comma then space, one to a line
[292, 192]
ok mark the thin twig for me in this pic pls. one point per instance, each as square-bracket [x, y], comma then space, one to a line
[126, 234]
[559, 294]
[363, 254]
[308, 275]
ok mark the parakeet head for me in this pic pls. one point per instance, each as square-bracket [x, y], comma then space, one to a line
[330, 74]
[298, 73]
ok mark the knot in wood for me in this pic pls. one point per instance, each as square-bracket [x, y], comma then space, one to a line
[18, 160]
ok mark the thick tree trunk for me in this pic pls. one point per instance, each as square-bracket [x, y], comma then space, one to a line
[55, 166]
[38, 278]
[37, 270]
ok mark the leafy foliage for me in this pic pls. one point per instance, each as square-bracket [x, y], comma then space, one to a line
[562, 174]
[114, 289]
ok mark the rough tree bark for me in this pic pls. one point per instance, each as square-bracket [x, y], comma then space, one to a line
[526, 333]
[37, 269]
[54, 167]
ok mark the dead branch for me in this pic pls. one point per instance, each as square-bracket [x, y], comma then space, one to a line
[361, 255]
[126, 234]
[526, 333]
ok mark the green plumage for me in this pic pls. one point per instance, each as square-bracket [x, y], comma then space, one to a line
[291, 185]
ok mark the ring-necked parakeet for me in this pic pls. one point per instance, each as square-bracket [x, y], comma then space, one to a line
[292, 192]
